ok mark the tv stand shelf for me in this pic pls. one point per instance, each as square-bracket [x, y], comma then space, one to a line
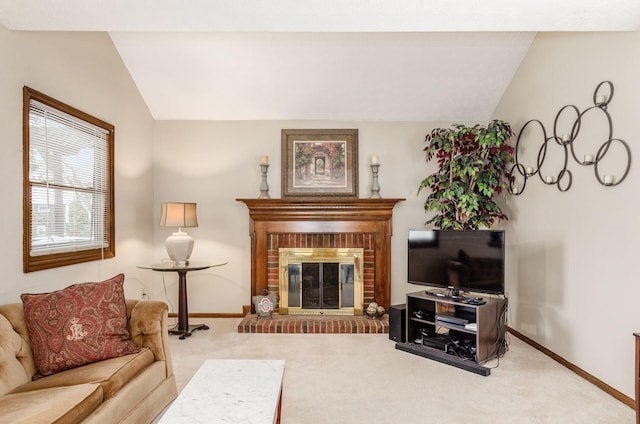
[451, 343]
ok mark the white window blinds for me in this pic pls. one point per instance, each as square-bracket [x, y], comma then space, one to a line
[68, 182]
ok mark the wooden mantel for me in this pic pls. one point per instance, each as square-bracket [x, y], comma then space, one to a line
[322, 216]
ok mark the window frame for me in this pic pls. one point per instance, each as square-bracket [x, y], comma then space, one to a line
[58, 259]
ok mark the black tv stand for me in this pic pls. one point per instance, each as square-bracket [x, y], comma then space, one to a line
[483, 339]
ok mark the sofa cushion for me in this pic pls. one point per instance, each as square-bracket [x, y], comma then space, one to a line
[59, 405]
[112, 374]
[80, 324]
[15, 353]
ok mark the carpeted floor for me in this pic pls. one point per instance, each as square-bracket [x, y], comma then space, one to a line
[362, 378]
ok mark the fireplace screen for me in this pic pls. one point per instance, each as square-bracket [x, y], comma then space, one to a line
[321, 281]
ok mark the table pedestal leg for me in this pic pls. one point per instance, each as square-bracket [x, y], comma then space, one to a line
[183, 328]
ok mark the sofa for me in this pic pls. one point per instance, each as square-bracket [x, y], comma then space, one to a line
[133, 388]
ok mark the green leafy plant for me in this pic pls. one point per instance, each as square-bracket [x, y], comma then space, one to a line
[473, 168]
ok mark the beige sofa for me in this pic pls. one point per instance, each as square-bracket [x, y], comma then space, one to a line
[129, 389]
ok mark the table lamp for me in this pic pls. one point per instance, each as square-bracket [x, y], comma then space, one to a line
[179, 244]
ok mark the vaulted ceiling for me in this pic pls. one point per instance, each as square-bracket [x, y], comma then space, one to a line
[409, 60]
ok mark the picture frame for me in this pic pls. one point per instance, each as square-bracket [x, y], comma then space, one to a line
[319, 162]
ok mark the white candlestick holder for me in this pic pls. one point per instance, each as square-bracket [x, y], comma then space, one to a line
[264, 187]
[375, 188]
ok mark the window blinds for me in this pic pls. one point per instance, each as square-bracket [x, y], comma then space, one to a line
[68, 181]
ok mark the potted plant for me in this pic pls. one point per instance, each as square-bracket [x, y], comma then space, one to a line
[473, 168]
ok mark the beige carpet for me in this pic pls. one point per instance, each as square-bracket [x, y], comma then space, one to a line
[362, 378]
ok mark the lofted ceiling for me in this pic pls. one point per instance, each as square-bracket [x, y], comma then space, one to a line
[409, 60]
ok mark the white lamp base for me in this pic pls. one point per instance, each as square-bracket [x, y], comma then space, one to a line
[179, 247]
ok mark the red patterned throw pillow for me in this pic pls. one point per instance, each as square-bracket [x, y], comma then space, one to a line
[80, 324]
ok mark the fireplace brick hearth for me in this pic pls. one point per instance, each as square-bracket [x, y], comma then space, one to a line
[314, 324]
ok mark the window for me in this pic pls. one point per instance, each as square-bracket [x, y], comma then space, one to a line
[68, 184]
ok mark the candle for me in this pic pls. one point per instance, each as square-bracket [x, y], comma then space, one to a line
[601, 99]
[264, 160]
[515, 190]
[529, 171]
[374, 159]
[588, 158]
[608, 179]
[549, 179]
[565, 137]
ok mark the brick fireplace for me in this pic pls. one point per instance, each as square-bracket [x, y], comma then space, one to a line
[322, 222]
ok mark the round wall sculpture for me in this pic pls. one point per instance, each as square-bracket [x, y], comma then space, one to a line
[568, 144]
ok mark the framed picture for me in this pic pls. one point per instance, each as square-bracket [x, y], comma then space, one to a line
[320, 163]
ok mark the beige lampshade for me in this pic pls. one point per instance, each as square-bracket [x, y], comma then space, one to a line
[178, 215]
[179, 244]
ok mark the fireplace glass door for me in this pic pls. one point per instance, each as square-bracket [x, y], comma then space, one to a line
[321, 285]
[329, 282]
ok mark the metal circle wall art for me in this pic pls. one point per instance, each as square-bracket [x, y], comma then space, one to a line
[561, 146]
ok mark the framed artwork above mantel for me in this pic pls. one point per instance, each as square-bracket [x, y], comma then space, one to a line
[320, 162]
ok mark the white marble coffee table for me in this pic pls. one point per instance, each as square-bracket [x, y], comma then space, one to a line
[235, 391]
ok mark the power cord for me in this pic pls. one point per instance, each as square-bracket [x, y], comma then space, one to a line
[502, 343]
[463, 349]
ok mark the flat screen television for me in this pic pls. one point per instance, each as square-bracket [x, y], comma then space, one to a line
[458, 260]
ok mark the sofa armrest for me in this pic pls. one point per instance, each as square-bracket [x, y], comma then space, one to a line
[148, 327]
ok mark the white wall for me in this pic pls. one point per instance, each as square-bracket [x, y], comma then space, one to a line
[573, 260]
[85, 71]
[215, 163]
